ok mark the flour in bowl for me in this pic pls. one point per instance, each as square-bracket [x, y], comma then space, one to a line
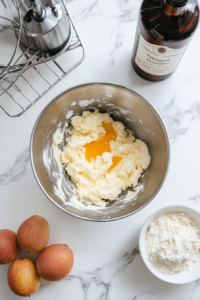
[173, 242]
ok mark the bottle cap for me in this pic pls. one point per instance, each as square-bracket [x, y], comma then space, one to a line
[177, 3]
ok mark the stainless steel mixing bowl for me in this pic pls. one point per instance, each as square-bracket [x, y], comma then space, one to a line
[123, 105]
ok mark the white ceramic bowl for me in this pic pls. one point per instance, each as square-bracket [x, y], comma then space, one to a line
[180, 277]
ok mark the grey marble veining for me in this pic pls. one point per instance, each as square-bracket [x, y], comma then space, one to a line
[144, 296]
[18, 170]
[3, 3]
[196, 290]
[178, 120]
[112, 19]
[100, 279]
[195, 199]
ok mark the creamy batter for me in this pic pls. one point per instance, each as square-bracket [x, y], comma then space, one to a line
[101, 157]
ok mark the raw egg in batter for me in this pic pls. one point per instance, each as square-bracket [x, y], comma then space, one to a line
[98, 147]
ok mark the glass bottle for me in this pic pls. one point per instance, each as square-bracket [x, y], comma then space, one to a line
[164, 30]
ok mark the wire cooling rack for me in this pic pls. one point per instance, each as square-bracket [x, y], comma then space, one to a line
[18, 94]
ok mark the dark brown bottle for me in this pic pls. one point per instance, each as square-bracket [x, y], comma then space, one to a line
[164, 30]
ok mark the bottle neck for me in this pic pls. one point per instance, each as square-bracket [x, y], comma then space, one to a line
[177, 3]
[171, 10]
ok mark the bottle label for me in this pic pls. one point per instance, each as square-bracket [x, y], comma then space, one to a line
[157, 59]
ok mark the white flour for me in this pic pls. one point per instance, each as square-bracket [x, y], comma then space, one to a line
[172, 242]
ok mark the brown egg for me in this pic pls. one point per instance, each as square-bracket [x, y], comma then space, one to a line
[23, 278]
[55, 262]
[9, 248]
[33, 234]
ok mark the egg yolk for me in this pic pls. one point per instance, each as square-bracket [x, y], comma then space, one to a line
[102, 145]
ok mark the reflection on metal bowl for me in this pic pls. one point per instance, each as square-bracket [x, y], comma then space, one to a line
[124, 105]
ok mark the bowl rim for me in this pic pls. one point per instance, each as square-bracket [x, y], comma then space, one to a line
[90, 84]
[142, 238]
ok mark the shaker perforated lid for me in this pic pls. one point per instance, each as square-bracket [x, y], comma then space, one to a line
[42, 20]
[45, 28]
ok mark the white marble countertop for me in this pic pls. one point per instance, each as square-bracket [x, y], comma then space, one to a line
[107, 265]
